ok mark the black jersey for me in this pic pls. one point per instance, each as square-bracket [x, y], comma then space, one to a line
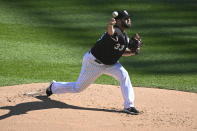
[108, 49]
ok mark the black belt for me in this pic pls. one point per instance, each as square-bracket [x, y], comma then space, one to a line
[96, 60]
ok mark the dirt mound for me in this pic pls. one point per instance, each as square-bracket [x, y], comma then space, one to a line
[99, 107]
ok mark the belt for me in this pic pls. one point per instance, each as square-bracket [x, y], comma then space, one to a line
[96, 60]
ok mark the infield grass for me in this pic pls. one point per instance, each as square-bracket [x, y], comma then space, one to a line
[45, 40]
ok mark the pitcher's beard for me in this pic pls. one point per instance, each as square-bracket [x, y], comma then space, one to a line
[125, 25]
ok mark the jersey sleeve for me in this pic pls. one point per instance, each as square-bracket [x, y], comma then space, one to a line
[114, 37]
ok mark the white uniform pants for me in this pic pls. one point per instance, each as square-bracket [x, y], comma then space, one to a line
[90, 71]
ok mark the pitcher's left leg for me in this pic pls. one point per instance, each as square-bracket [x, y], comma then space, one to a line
[120, 74]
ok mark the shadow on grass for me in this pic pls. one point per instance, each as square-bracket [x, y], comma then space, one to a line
[64, 18]
[177, 66]
[45, 103]
[67, 23]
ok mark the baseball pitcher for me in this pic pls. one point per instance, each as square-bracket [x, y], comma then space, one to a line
[103, 59]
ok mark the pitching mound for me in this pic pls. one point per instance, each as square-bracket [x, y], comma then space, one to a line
[99, 107]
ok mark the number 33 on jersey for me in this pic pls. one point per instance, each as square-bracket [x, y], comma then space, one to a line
[119, 47]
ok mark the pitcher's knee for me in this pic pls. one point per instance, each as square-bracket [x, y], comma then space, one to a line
[79, 88]
[124, 74]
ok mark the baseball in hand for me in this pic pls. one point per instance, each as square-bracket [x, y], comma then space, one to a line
[115, 14]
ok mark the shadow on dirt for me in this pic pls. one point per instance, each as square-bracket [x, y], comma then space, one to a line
[45, 103]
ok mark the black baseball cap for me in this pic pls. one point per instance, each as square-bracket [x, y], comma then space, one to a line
[122, 14]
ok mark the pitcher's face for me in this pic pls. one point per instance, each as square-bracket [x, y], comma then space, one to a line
[126, 22]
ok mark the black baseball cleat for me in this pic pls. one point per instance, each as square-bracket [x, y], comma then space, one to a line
[48, 90]
[132, 111]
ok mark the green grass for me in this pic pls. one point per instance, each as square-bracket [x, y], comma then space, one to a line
[45, 40]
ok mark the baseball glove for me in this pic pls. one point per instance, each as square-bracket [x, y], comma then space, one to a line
[135, 43]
